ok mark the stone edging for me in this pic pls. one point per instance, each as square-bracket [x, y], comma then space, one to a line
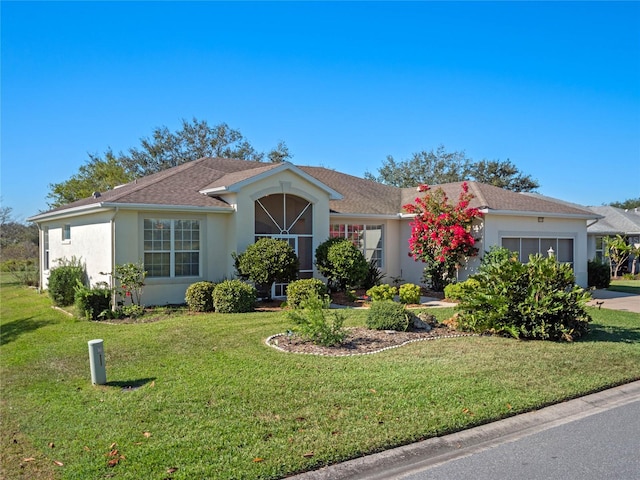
[268, 341]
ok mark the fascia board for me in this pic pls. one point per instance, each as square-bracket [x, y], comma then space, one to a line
[106, 206]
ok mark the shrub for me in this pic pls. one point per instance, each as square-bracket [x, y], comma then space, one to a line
[387, 315]
[341, 263]
[131, 277]
[455, 291]
[234, 296]
[300, 290]
[267, 261]
[199, 296]
[91, 302]
[599, 274]
[374, 275]
[409, 293]
[538, 300]
[311, 322]
[382, 292]
[63, 280]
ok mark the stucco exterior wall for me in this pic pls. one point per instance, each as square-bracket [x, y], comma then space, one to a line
[500, 226]
[90, 242]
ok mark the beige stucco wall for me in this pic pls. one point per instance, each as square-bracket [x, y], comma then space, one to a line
[90, 243]
[499, 226]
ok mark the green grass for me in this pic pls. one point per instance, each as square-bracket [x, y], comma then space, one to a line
[626, 286]
[212, 400]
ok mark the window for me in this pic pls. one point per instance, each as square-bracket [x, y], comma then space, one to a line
[368, 238]
[45, 242]
[562, 247]
[66, 233]
[171, 247]
[600, 256]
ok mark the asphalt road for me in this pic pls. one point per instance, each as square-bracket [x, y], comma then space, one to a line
[602, 446]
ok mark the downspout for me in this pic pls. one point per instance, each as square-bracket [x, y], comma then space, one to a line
[113, 260]
[41, 258]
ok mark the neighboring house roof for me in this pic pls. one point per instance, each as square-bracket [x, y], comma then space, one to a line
[615, 221]
[203, 183]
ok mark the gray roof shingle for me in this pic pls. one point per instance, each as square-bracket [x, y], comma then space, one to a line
[181, 186]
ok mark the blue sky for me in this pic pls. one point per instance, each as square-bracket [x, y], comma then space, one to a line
[554, 87]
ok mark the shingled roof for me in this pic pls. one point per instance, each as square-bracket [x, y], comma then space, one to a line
[182, 186]
[615, 221]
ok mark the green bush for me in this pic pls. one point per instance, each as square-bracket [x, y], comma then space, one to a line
[409, 293]
[311, 322]
[455, 291]
[63, 280]
[300, 290]
[90, 303]
[234, 296]
[267, 261]
[199, 296]
[382, 292]
[538, 300]
[341, 263]
[599, 274]
[388, 315]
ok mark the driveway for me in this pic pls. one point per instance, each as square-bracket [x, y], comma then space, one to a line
[615, 300]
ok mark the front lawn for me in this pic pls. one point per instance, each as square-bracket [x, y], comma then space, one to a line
[202, 396]
[626, 286]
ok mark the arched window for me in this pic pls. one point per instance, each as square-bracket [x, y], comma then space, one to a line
[290, 218]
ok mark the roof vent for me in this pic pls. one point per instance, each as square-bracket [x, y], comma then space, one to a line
[96, 194]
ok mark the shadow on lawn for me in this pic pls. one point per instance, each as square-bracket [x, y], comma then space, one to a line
[130, 384]
[12, 330]
[603, 333]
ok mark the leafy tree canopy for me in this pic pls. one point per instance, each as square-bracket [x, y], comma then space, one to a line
[439, 166]
[163, 149]
[629, 204]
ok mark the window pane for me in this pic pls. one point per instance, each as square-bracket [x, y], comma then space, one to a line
[530, 246]
[305, 253]
[336, 230]
[187, 264]
[299, 215]
[265, 224]
[511, 244]
[565, 250]
[157, 264]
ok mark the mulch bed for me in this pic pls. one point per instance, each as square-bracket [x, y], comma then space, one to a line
[360, 341]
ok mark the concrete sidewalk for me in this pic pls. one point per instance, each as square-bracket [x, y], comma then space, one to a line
[611, 300]
[403, 461]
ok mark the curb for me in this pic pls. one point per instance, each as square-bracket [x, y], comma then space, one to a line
[402, 461]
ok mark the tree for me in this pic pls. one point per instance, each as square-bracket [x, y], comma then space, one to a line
[441, 233]
[618, 251]
[629, 204]
[163, 149]
[424, 168]
[267, 261]
[435, 168]
[503, 174]
[97, 175]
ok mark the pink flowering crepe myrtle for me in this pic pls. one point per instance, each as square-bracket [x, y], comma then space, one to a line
[441, 232]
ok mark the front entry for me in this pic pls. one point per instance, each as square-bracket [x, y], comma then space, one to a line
[290, 218]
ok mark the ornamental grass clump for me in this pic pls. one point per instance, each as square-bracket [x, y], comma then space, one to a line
[538, 300]
[317, 324]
